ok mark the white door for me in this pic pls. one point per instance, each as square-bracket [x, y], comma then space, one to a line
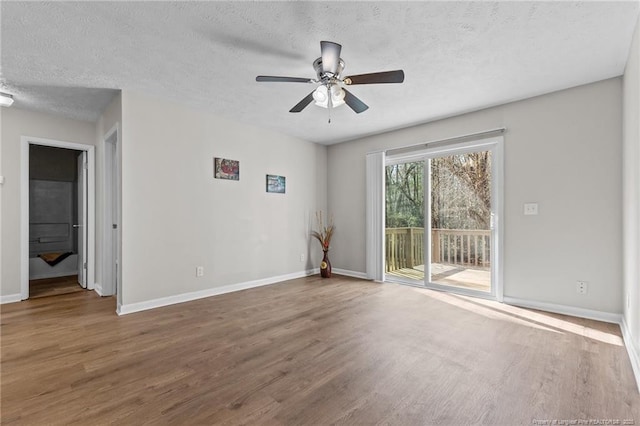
[110, 274]
[114, 216]
[82, 219]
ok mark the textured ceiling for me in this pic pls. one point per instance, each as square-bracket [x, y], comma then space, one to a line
[69, 57]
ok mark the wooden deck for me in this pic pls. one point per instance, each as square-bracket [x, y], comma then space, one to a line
[452, 275]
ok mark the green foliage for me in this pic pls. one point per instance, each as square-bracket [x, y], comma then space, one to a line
[405, 195]
[460, 192]
[398, 220]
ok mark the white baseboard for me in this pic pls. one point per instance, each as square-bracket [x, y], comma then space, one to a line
[349, 273]
[631, 350]
[10, 298]
[98, 289]
[589, 314]
[187, 297]
[565, 310]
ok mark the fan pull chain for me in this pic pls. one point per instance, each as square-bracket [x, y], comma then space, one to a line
[329, 102]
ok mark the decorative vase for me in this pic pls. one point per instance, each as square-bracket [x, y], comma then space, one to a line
[325, 265]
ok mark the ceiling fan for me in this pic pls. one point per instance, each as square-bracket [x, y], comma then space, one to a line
[331, 91]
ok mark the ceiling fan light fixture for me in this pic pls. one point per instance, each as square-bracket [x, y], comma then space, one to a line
[321, 96]
[337, 95]
[6, 99]
[329, 67]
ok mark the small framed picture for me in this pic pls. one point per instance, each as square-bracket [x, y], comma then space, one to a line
[277, 184]
[226, 169]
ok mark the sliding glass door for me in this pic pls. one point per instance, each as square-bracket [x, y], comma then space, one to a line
[404, 217]
[460, 193]
[441, 211]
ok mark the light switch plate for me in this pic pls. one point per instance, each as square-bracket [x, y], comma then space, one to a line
[531, 208]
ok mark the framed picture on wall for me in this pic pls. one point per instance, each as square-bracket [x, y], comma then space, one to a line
[277, 184]
[224, 168]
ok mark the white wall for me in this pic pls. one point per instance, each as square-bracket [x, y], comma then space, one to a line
[563, 151]
[17, 123]
[176, 216]
[631, 191]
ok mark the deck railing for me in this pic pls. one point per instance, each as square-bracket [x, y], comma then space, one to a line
[404, 248]
[469, 247]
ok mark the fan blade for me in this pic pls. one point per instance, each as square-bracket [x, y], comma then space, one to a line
[303, 103]
[330, 56]
[354, 103]
[376, 78]
[274, 79]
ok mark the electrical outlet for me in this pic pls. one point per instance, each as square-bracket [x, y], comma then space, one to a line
[582, 287]
[301, 257]
[200, 271]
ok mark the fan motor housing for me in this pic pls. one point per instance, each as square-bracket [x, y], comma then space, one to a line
[324, 77]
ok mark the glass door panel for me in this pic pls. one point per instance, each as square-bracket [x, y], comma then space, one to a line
[404, 227]
[460, 240]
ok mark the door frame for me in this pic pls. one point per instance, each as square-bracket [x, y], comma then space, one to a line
[111, 175]
[25, 141]
[81, 222]
[496, 144]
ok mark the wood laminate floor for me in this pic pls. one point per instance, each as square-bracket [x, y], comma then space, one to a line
[54, 286]
[309, 352]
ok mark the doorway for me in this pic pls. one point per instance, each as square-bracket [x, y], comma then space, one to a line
[57, 215]
[57, 210]
[441, 210]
